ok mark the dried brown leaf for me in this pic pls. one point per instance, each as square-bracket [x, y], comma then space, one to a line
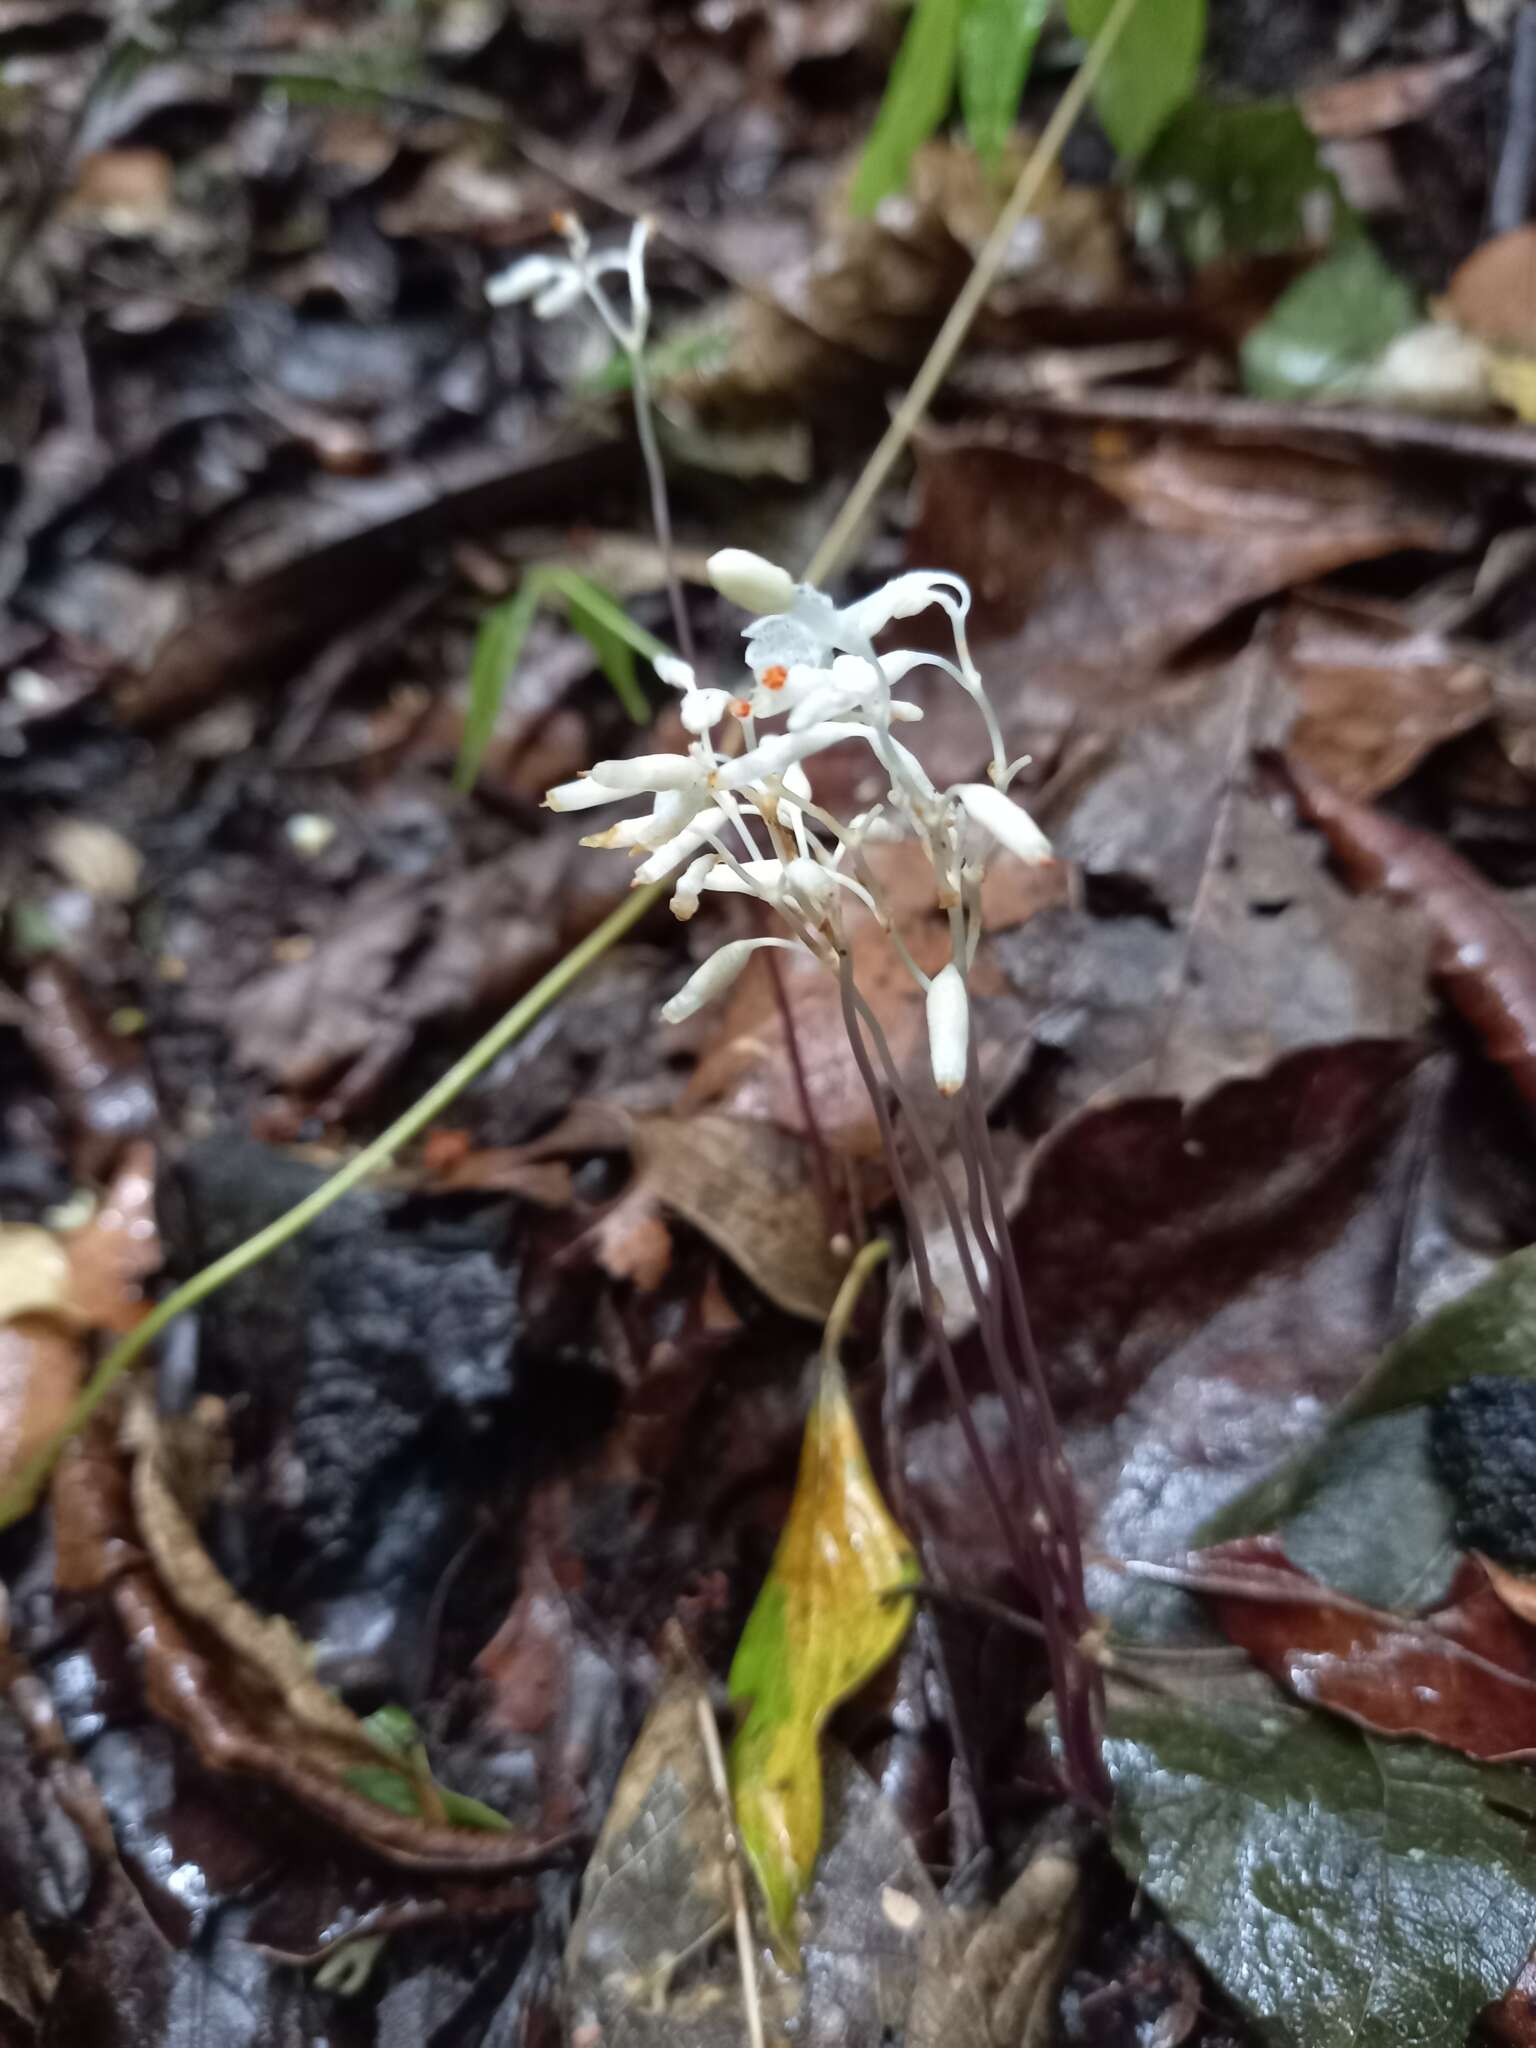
[1483, 957]
[1493, 293]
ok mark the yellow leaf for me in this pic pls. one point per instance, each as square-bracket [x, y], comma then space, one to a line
[1512, 379]
[822, 1625]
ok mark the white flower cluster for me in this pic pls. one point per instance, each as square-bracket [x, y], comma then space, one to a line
[745, 822]
[558, 283]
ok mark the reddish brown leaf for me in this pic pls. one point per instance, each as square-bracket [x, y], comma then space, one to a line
[1482, 956]
[1464, 1676]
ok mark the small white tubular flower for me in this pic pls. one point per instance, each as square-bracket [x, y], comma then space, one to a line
[522, 279]
[671, 853]
[749, 580]
[949, 1028]
[584, 794]
[700, 709]
[675, 673]
[685, 895]
[771, 757]
[716, 976]
[1009, 823]
[904, 597]
[657, 772]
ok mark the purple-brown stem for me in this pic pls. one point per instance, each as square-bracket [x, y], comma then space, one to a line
[1052, 1545]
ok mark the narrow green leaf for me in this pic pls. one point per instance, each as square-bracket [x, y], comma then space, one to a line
[1241, 178]
[1323, 334]
[393, 1730]
[1151, 70]
[822, 1625]
[1491, 1329]
[463, 1812]
[401, 1789]
[917, 97]
[497, 647]
[997, 42]
[612, 635]
[1349, 1893]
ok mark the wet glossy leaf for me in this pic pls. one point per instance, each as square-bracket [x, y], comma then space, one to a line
[1152, 68]
[1350, 1893]
[997, 44]
[1238, 178]
[822, 1625]
[1463, 1676]
[1491, 1330]
[1326, 331]
[916, 101]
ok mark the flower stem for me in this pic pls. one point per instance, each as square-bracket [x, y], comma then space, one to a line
[661, 507]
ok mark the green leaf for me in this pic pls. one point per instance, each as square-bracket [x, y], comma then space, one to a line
[460, 1811]
[1375, 1479]
[1233, 178]
[497, 647]
[612, 635]
[1151, 70]
[822, 1625]
[997, 42]
[386, 1787]
[701, 346]
[917, 98]
[393, 1730]
[1491, 1329]
[1350, 1893]
[1323, 334]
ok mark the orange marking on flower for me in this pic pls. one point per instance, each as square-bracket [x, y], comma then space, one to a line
[741, 707]
[775, 678]
[560, 221]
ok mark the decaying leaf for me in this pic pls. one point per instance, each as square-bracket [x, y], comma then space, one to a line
[1463, 1676]
[1348, 1892]
[1493, 293]
[1484, 958]
[237, 1684]
[651, 1962]
[822, 1625]
[1375, 693]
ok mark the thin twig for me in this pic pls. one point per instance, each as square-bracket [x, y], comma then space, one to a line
[1261, 419]
[751, 2000]
[968, 302]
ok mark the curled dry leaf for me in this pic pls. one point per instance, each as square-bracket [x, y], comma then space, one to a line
[1482, 956]
[1463, 1676]
[1516, 1589]
[236, 1683]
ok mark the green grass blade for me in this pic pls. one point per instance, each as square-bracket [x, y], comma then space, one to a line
[1151, 70]
[497, 648]
[997, 43]
[612, 635]
[922, 84]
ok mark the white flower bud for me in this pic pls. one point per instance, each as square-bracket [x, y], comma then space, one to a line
[949, 1028]
[674, 672]
[1009, 823]
[648, 771]
[672, 852]
[685, 897]
[559, 296]
[716, 976]
[522, 279]
[750, 581]
[700, 709]
[581, 795]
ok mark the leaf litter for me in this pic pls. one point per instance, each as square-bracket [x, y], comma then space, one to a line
[1254, 1050]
